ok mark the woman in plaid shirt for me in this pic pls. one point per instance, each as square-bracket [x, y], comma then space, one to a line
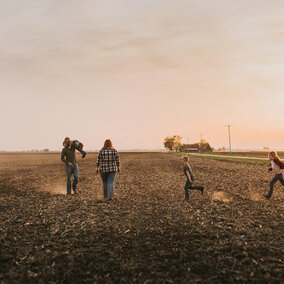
[108, 165]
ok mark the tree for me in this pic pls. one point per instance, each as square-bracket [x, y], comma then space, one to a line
[177, 142]
[173, 142]
[169, 143]
[204, 146]
[265, 148]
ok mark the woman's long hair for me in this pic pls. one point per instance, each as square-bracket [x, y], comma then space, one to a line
[108, 144]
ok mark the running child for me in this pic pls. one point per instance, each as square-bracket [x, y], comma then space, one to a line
[189, 178]
[76, 144]
[278, 168]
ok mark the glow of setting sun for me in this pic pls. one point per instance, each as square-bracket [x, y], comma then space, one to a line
[137, 71]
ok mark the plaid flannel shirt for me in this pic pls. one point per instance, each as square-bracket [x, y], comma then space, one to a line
[108, 160]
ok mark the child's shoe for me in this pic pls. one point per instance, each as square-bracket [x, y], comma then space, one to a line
[267, 196]
[202, 190]
[84, 155]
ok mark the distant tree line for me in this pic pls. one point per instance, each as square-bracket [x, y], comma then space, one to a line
[173, 143]
[46, 150]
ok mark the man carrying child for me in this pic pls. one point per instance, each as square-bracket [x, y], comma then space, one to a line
[69, 158]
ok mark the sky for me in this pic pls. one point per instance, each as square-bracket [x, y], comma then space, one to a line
[137, 71]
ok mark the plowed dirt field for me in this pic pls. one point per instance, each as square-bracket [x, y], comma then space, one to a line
[148, 234]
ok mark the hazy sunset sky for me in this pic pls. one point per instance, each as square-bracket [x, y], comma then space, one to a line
[136, 71]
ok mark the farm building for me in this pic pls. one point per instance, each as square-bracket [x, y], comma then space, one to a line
[190, 150]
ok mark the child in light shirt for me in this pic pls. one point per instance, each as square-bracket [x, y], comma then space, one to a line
[278, 168]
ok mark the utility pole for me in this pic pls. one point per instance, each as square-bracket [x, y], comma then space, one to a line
[229, 131]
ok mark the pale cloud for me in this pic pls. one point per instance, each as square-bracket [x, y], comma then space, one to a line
[156, 68]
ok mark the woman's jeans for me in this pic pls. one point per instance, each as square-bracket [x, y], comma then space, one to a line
[108, 182]
[72, 170]
[273, 181]
[188, 185]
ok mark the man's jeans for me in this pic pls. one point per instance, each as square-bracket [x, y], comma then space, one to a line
[108, 181]
[72, 170]
[273, 181]
[188, 185]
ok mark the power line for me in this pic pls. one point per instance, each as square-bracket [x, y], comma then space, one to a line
[229, 132]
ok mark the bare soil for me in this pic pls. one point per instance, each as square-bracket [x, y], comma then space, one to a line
[148, 234]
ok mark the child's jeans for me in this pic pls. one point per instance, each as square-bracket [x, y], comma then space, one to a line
[188, 185]
[273, 181]
[78, 146]
[80, 150]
